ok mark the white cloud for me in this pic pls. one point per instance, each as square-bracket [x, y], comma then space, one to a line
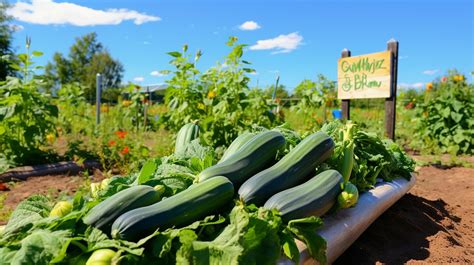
[281, 44]
[157, 74]
[249, 25]
[16, 27]
[146, 43]
[430, 72]
[46, 12]
[411, 85]
[139, 79]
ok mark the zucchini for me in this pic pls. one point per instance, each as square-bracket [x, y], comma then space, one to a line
[252, 157]
[291, 170]
[237, 144]
[312, 198]
[348, 197]
[194, 203]
[185, 135]
[104, 214]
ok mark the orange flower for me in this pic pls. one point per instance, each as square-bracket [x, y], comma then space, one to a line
[125, 150]
[111, 143]
[121, 134]
[429, 86]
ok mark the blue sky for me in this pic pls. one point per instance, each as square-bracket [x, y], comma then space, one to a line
[295, 39]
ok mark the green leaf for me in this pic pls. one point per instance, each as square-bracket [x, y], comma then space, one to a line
[289, 246]
[26, 214]
[456, 116]
[41, 247]
[250, 238]
[175, 54]
[37, 53]
[147, 172]
[305, 230]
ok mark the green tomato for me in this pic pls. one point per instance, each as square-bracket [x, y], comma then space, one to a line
[61, 209]
[348, 197]
[101, 257]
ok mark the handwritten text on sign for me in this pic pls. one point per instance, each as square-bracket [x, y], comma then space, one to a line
[365, 76]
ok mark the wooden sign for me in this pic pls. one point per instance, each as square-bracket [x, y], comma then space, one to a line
[365, 76]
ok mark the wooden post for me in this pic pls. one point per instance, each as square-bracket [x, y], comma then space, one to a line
[97, 99]
[346, 103]
[390, 103]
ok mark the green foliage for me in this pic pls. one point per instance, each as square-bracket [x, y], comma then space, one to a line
[26, 114]
[6, 49]
[281, 92]
[86, 58]
[219, 99]
[373, 157]
[312, 96]
[446, 118]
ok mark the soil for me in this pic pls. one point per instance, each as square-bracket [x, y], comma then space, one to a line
[433, 223]
[50, 185]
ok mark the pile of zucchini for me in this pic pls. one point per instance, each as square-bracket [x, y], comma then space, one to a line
[248, 171]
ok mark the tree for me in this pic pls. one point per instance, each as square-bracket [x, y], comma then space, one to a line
[5, 42]
[86, 58]
[304, 85]
[281, 91]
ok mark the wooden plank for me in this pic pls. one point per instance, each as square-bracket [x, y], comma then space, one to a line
[346, 103]
[391, 102]
[364, 76]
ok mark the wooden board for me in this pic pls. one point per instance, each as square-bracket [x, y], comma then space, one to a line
[364, 76]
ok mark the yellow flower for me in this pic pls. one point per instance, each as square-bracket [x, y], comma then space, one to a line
[126, 103]
[429, 86]
[201, 106]
[458, 78]
[211, 94]
[104, 108]
[50, 138]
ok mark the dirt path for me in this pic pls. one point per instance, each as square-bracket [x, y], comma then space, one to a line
[53, 186]
[434, 224]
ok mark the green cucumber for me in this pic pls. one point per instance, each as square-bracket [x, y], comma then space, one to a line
[194, 203]
[186, 134]
[312, 198]
[104, 214]
[237, 144]
[252, 157]
[293, 169]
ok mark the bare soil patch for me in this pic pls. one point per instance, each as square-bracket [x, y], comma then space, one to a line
[433, 223]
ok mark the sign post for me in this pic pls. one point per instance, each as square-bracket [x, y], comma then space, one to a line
[390, 103]
[370, 76]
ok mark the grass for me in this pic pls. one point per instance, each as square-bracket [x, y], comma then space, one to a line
[371, 119]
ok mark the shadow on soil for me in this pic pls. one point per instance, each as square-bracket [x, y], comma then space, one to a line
[400, 234]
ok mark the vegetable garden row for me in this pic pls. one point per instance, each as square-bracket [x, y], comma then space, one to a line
[195, 206]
